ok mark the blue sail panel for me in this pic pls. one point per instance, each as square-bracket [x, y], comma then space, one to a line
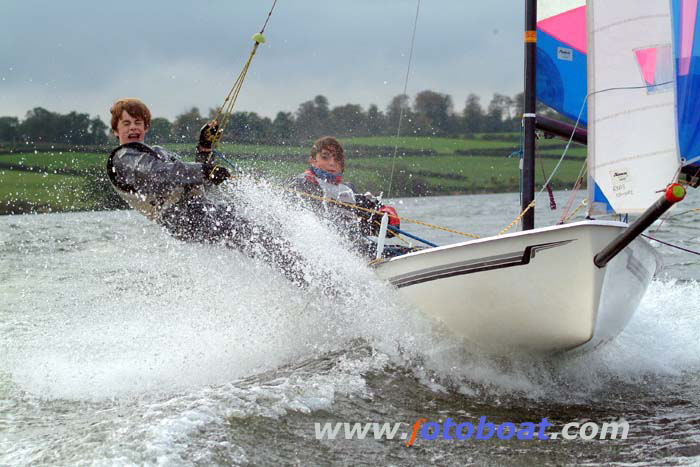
[600, 203]
[686, 31]
[561, 77]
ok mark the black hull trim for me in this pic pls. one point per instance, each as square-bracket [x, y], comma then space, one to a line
[507, 260]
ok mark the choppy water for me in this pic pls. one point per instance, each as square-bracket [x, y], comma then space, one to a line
[120, 345]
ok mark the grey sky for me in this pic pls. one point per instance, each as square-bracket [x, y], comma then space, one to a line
[81, 55]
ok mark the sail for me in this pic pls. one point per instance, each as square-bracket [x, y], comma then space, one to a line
[687, 59]
[632, 143]
[561, 56]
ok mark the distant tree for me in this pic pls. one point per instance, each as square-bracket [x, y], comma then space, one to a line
[40, 125]
[9, 129]
[322, 106]
[160, 131]
[498, 111]
[454, 125]
[375, 121]
[473, 115]
[348, 120]
[436, 108]
[98, 131]
[248, 127]
[394, 112]
[74, 128]
[519, 104]
[186, 126]
[307, 121]
[283, 128]
[312, 119]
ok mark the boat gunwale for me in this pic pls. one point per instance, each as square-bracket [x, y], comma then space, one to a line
[586, 223]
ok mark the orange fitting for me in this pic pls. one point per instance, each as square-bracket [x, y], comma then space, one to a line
[675, 192]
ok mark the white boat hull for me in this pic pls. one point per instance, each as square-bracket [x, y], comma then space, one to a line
[534, 291]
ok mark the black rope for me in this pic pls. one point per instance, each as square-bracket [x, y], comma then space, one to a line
[671, 245]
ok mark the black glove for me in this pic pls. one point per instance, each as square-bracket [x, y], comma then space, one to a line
[215, 173]
[208, 134]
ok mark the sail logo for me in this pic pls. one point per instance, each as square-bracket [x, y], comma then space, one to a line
[565, 53]
[621, 183]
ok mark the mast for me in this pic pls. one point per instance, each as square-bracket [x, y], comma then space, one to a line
[528, 186]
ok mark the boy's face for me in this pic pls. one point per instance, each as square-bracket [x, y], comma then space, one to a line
[327, 160]
[130, 129]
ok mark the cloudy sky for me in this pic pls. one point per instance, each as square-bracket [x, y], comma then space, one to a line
[174, 54]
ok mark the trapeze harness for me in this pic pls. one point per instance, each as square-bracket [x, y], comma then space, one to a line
[152, 180]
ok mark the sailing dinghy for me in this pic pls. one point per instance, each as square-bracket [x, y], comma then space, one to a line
[623, 69]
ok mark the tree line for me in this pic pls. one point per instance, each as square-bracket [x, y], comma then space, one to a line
[428, 114]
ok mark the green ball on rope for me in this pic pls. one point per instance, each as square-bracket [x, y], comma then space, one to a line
[259, 38]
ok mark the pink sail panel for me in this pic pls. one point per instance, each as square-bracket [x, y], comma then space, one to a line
[656, 66]
[568, 27]
[689, 9]
[647, 63]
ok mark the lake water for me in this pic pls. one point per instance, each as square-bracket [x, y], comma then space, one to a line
[120, 345]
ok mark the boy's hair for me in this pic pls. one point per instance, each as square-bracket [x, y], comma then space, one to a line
[133, 107]
[329, 143]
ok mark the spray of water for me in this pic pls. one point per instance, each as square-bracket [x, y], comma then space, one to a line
[143, 313]
[147, 313]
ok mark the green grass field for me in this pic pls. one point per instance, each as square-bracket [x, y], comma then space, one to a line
[27, 191]
[50, 161]
[69, 181]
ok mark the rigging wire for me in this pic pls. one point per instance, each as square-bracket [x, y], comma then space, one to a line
[405, 87]
[224, 112]
[671, 244]
[268, 17]
[579, 181]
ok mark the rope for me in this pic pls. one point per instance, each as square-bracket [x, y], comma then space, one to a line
[223, 114]
[577, 185]
[566, 219]
[548, 186]
[359, 208]
[684, 212]
[405, 87]
[517, 219]
[671, 245]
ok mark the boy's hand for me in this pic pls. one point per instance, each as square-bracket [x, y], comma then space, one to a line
[215, 173]
[208, 135]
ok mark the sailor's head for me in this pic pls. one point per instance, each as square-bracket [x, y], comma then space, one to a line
[131, 119]
[327, 154]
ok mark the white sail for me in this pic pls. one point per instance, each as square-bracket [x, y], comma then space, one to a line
[548, 8]
[633, 149]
